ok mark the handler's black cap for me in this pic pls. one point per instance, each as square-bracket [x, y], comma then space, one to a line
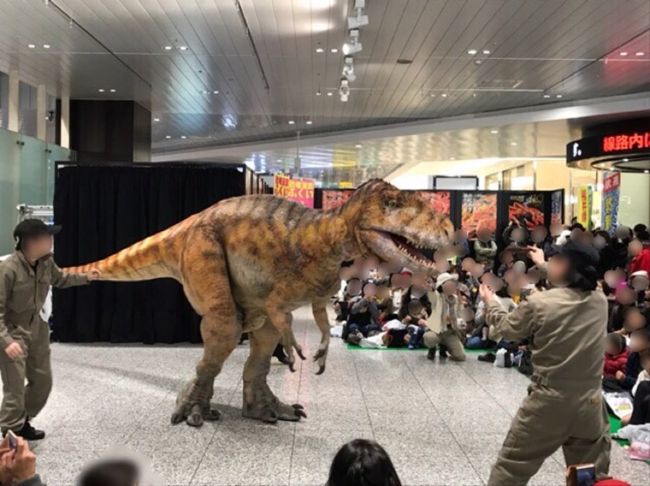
[581, 255]
[29, 228]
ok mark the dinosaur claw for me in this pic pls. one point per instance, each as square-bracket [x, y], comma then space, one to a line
[297, 406]
[302, 356]
[291, 368]
[321, 370]
[300, 413]
[177, 418]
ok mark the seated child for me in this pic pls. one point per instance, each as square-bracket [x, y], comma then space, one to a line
[615, 355]
[641, 393]
[476, 334]
[625, 380]
[416, 323]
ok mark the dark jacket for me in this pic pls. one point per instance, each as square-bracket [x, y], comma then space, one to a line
[632, 370]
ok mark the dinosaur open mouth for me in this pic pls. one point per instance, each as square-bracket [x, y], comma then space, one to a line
[412, 250]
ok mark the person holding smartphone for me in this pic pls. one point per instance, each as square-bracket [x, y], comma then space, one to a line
[25, 280]
[564, 407]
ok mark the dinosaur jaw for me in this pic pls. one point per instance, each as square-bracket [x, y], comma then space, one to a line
[393, 247]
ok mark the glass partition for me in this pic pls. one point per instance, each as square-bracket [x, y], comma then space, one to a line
[9, 176]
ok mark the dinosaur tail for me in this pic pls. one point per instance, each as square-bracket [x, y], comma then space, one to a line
[154, 257]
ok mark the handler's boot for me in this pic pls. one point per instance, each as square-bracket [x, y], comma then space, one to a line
[30, 433]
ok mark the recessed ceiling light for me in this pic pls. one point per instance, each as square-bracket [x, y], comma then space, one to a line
[183, 48]
[112, 90]
[444, 95]
[646, 171]
[320, 50]
[46, 46]
[31, 46]
[433, 95]
[558, 96]
[291, 122]
[547, 96]
[168, 48]
[472, 52]
[358, 146]
[308, 122]
[204, 91]
[639, 54]
[487, 52]
[623, 53]
[215, 91]
[626, 160]
[330, 94]
[452, 158]
[183, 137]
[514, 144]
[156, 119]
[318, 93]
[101, 90]
[494, 131]
[168, 137]
[334, 50]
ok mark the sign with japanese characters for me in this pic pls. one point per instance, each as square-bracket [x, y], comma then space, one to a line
[610, 145]
[297, 190]
[611, 191]
[584, 206]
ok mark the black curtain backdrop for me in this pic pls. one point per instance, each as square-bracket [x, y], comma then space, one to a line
[106, 208]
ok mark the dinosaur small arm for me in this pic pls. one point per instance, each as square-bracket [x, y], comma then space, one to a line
[247, 262]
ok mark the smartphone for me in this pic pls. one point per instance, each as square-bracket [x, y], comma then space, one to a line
[582, 475]
[13, 443]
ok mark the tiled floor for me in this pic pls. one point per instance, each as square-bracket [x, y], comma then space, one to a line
[442, 423]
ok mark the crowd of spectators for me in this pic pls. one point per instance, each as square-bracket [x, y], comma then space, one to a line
[381, 305]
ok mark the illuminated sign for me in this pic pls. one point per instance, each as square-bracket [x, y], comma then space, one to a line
[297, 190]
[609, 145]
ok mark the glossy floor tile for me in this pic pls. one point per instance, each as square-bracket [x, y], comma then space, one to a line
[442, 422]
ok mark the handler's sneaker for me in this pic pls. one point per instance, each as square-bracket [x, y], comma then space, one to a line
[30, 433]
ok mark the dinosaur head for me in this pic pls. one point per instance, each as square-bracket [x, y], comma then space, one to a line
[397, 226]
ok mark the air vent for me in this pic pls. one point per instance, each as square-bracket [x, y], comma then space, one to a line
[404, 61]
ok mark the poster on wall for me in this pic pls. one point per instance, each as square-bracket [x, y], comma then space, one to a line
[478, 210]
[584, 206]
[297, 190]
[440, 201]
[333, 199]
[610, 198]
[557, 200]
[527, 208]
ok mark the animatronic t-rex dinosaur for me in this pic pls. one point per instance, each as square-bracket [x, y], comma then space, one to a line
[246, 263]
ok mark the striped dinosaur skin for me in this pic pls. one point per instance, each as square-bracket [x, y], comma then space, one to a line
[246, 263]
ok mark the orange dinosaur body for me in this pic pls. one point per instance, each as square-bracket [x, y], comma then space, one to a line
[246, 263]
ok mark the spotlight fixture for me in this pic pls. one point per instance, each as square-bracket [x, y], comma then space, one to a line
[639, 53]
[112, 90]
[547, 96]
[204, 91]
[292, 122]
[358, 146]
[354, 46]
[318, 93]
[494, 131]
[359, 20]
[329, 93]
[514, 144]
[344, 90]
[348, 69]
[215, 91]
[472, 52]
[487, 52]
[46, 46]
[558, 96]
[31, 46]
[444, 95]
[182, 48]
[320, 50]
[168, 48]
[101, 90]
[168, 137]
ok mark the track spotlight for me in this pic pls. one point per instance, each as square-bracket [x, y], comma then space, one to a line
[359, 20]
[348, 69]
[353, 46]
[344, 90]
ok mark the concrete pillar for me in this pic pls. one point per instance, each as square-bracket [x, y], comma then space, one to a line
[41, 112]
[65, 121]
[13, 106]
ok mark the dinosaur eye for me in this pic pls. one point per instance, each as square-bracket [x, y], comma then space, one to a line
[391, 204]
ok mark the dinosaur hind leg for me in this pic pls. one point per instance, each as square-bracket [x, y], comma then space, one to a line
[206, 284]
[259, 401]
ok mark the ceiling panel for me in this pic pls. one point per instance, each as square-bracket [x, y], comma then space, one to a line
[569, 48]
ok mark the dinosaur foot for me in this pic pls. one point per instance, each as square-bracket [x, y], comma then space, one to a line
[195, 414]
[272, 412]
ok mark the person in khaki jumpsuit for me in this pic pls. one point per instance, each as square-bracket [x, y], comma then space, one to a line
[25, 279]
[442, 324]
[564, 407]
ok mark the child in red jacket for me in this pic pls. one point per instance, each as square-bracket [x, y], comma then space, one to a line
[615, 355]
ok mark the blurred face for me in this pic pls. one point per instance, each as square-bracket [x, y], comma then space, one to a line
[517, 235]
[460, 236]
[638, 342]
[576, 234]
[625, 295]
[484, 235]
[533, 276]
[354, 287]
[405, 279]
[558, 269]
[467, 263]
[370, 290]
[611, 347]
[640, 283]
[556, 229]
[476, 270]
[449, 287]
[467, 314]
[38, 246]
[599, 242]
[507, 257]
[634, 247]
[634, 320]
[371, 263]
[383, 292]
[613, 277]
[539, 234]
